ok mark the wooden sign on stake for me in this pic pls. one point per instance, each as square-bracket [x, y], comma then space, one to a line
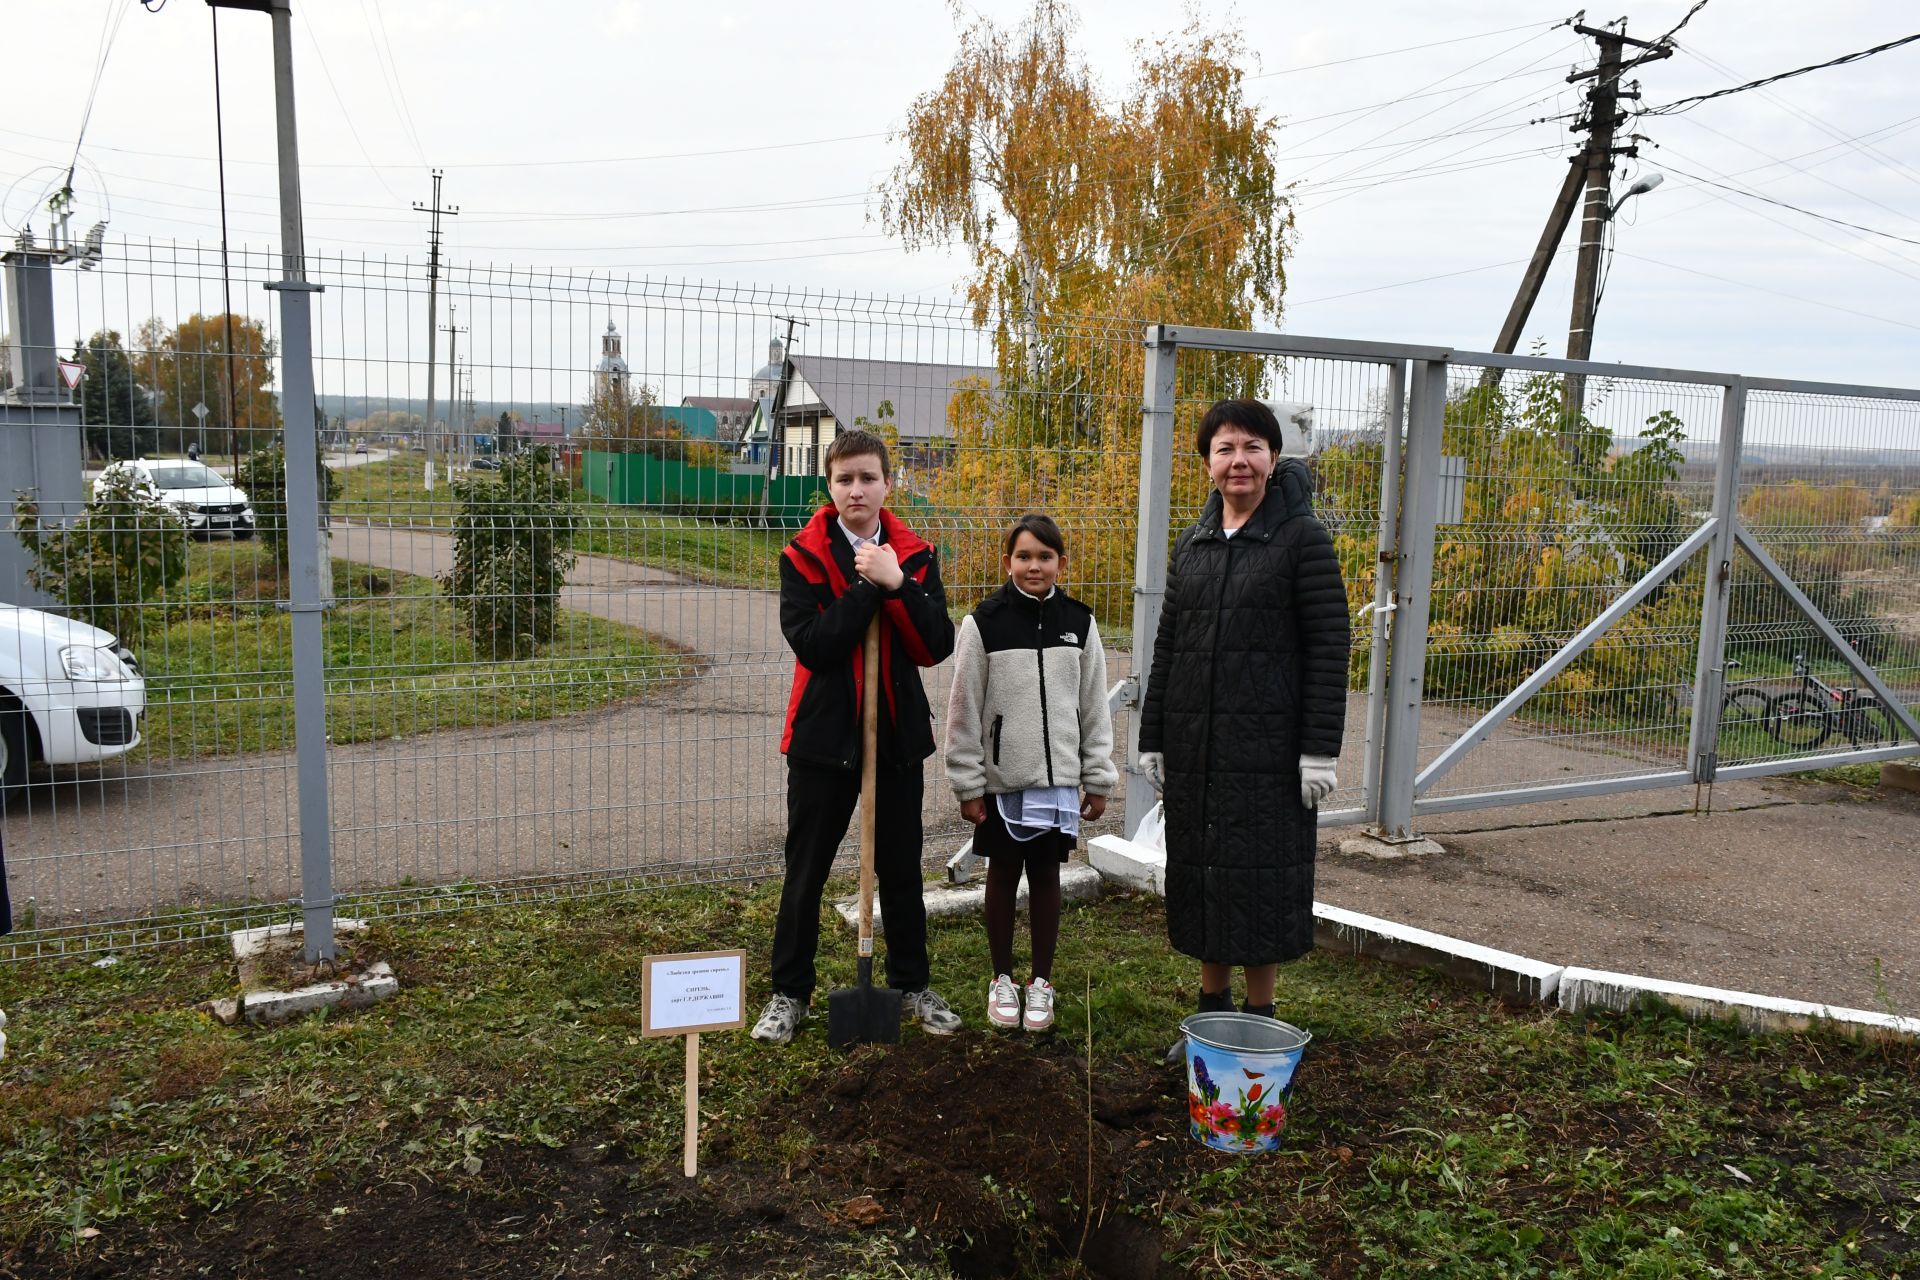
[683, 995]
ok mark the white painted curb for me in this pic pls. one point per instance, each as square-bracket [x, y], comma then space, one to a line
[1515, 978]
[1521, 979]
[1583, 989]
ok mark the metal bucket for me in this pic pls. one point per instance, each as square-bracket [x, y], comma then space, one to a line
[1239, 1073]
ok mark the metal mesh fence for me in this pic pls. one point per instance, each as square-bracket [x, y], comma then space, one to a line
[553, 653]
[552, 657]
[1349, 409]
[1550, 513]
[1830, 491]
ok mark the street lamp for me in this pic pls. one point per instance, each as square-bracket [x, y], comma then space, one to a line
[1639, 188]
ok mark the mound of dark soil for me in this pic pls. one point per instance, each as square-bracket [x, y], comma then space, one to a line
[994, 1146]
[972, 1147]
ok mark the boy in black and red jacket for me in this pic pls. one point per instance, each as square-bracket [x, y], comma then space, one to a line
[853, 560]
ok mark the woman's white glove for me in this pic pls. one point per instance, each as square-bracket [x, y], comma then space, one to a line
[1317, 779]
[1154, 765]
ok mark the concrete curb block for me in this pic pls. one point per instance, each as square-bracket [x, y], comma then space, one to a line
[1078, 883]
[248, 943]
[1584, 989]
[376, 984]
[1133, 865]
[1520, 979]
[1516, 979]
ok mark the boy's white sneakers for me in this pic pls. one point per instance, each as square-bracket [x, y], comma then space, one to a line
[1039, 1011]
[936, 1016]
[1003, 1002]
[779, 1020]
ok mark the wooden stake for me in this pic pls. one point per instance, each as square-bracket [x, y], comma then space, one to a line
[692, 1162]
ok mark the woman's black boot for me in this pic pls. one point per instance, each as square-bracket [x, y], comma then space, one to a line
[1210, 1002]
[1259, 1010]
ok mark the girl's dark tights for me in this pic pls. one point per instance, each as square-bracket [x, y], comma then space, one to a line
[1043, 908]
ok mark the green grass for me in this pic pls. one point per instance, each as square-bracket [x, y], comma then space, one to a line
[1433, 1133]
[393, 492]
[399, 662]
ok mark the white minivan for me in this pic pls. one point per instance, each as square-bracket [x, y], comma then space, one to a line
[202, 496]
[69, 694]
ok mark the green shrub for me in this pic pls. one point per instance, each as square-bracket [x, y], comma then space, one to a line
[510, 553]
[263, 474]
[115, 564]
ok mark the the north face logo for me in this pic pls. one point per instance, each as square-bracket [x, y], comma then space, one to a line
[1069, 637]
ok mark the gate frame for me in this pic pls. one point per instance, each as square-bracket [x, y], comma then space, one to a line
[1393, 783]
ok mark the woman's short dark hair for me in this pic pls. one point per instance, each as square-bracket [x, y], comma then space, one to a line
[1042, 528]
[1251, 416]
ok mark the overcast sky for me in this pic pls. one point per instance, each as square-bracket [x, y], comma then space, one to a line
[565, 130]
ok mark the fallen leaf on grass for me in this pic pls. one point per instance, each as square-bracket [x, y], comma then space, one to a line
[864, 1210]
[89, 1233]
[1740, 1174]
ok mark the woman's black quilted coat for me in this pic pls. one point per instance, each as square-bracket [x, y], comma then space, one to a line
[1249, 674]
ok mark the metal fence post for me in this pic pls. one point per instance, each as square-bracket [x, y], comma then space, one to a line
[1413, 585]
[311, 576]
[1710, 668]
[1383, 607]
[1150, 550]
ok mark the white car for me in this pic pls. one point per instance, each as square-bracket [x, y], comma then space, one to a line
[202, 496]
[69, 693]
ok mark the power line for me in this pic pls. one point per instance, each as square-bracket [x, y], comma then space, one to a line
[1685, 18]
[390, 79]
[1429, 89]
[1401, 284]
[1687, 104]
[1755, 195]
[1778, 293]
[103, 48]
[1899, 166]
[313, 38]
[1412, 48]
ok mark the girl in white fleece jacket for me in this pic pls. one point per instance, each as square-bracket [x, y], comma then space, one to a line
[1028, 732]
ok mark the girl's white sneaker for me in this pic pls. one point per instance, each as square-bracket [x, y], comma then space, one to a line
[1039, 1012]
[1003, 1002]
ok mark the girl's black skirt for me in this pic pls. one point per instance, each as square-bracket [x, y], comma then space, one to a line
[991, 839]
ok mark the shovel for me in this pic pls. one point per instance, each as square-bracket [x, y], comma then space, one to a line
[866, 1014]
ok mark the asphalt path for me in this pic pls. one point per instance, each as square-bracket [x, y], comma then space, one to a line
[692, 777]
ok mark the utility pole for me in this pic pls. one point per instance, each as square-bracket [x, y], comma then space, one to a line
[453, 332]
[433, 297]
[1592, 172]
[312, 578]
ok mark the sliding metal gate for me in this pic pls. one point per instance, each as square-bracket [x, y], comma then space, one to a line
[1573, 578]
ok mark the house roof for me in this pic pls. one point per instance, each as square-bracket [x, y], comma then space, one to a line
[720, 404]
[849, 389]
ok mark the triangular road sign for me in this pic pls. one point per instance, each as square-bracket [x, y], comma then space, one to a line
[71, 371]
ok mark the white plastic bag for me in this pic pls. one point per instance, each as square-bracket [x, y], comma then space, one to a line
[1153, 830]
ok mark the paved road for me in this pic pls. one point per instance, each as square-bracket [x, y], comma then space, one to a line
[687, 776]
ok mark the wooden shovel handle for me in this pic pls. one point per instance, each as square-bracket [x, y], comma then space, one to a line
[869, 762]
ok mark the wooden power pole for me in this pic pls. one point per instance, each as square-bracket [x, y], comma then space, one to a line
[1590, 171]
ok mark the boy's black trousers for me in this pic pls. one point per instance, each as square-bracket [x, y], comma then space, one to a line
[820, 802]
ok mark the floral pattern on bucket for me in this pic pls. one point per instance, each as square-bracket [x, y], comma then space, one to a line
[1252, 1119]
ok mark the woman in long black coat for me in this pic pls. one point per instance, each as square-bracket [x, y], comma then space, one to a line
[1245, 705]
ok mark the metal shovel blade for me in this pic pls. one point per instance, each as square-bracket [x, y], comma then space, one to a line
[865, 1014]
